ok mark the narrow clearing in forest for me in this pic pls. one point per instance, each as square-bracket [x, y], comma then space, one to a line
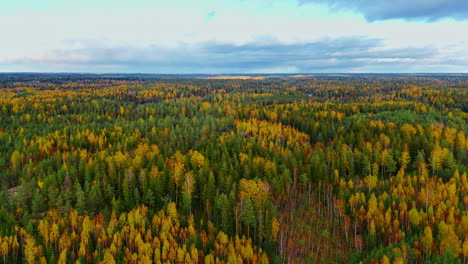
[312, 226]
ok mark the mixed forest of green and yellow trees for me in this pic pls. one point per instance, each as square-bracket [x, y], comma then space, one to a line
[145, 169]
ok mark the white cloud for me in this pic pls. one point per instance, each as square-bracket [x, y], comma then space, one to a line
[163, 31]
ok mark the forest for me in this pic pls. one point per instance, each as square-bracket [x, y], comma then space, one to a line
[194, 169]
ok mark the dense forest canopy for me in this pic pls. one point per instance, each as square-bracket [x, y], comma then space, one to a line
[132, 168]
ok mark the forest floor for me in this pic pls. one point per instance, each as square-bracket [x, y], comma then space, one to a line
[312, 227]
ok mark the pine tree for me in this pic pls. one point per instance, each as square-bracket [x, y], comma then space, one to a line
[80, 199]
[248, 215]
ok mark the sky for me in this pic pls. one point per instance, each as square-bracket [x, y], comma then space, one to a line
[234, 36]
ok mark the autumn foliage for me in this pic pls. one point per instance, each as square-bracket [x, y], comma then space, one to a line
[145, 169]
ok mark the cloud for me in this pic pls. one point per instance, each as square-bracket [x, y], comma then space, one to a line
[345, 54]
[425, 10]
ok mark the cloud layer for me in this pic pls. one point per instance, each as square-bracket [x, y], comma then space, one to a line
[347, 54]
[426, 10]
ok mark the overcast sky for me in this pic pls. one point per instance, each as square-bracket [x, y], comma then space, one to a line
[234, 36]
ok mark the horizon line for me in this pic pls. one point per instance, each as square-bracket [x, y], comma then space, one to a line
[238, 74]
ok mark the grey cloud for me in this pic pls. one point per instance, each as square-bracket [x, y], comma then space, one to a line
[326, 55]
[426, 10]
